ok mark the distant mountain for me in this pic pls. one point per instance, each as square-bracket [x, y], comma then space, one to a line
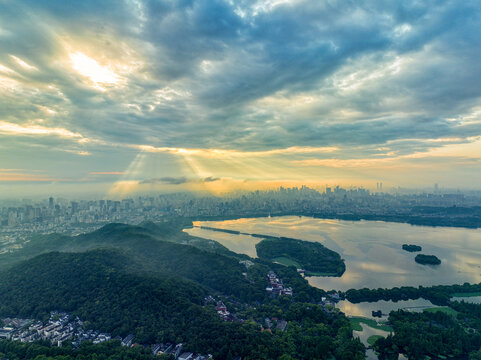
[114, 234]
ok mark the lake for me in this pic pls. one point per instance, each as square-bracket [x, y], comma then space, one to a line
[364, 309]
[371, 249]
[468, 299]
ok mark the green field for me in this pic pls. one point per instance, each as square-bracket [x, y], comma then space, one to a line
[466, 294]
[372, 339]
[356, 324]
[443, 309]
[315, 273]
[287, 262]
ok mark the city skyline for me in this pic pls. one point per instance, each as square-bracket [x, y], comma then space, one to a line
[76, 215]
[115, 98]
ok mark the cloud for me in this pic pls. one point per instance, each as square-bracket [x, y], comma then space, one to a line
[9, 128]
[178, 180]
[236, 80]
[210, 179]
[228, 153]
[106, 173]
[13, 175]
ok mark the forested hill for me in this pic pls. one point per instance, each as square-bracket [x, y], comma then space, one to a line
[165, 248]
[100, 287]
[219, 272]
[95, 286]
[114, 234]
[313, 257]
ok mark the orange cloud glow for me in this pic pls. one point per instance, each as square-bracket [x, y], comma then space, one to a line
[107, 173]
[222, 153]
[20, 177]
[16, 129]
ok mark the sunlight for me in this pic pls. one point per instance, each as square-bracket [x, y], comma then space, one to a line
[90, 68]
[229, 153]
[15, 129]
[23, 64]
[128, 183]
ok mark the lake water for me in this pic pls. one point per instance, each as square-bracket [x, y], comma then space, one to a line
[364, 309]
[468, 299]
[371, 249]
[363, 335]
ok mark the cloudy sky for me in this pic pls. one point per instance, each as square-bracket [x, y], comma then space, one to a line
[114, 96]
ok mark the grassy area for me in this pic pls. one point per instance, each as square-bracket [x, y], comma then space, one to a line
[466, 294]
[287, 262]
[356, 324]
[313, 273]
[372, 339]
[443, 309]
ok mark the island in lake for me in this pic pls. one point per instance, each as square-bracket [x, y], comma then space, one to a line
[427, 259]
[412, 248]
[314, 258]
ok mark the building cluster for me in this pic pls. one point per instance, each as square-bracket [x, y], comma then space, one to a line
[276, 287]
[221, 309]
[20, 218]
[175, 350]
[274, 324]
[224, 314]
[331, 299]
[61, 327]
[71, 217]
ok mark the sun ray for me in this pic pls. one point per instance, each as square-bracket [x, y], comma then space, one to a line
[129, 181]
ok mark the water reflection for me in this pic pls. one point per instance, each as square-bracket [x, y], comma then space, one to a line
[242, 244]
[371, 249]
[367, 332]
[365, 309]
[468, 299]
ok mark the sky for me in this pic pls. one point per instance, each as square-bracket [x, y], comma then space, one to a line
[117, 97]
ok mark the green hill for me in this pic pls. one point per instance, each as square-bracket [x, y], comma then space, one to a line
[114, 234]
[97, 287]
[220, 272]
[165, 248]
[100, 288]
[310, 256]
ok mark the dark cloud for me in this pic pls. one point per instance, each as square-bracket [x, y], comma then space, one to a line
[205, 71]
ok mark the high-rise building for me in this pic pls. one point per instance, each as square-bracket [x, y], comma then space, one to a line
[74, 207]
[50, 202]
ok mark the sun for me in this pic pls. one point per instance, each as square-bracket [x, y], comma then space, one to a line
[90, 68]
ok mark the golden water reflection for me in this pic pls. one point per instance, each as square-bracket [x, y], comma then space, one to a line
[371, 249]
